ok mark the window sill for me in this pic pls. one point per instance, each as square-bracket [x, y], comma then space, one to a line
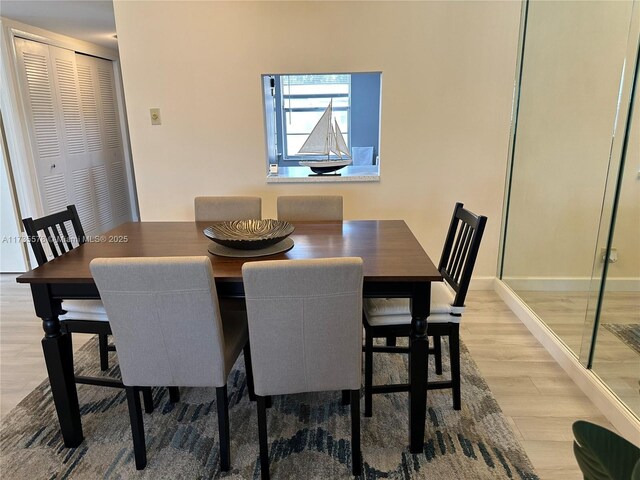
[347, 174]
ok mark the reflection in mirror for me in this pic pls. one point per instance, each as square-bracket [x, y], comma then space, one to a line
[572, 63]
[616, 353]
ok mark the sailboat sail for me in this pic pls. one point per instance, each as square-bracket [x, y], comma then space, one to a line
[325, 139]
[340, 143]
[318, 140]
[333, 142]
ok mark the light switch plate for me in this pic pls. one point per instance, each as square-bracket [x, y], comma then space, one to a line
[155, 116]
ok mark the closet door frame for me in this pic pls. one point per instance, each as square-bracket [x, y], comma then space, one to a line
[19, 141]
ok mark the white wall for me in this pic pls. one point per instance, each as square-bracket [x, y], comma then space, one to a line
[448, 73]
[12, 255]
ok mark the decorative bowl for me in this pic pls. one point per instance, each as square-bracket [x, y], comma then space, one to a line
[249, 234]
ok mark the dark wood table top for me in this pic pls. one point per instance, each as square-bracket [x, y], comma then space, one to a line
[389, 250]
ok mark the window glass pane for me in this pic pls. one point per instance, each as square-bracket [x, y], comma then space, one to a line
[343, 122]
[314, 102]
[303, 122]
[294, 142]
[304, 100]
[312, 89]
[334, 83]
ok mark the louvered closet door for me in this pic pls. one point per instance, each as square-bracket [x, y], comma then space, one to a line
[44, 124]
[108, 170]
[78, 155]
[71, 101]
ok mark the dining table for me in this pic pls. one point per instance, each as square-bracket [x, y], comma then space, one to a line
[394, 265]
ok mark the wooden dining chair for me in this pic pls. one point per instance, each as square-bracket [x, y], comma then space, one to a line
[305, 331]
[61, 232]
[221, 208]
[169, 331]
[309, 207]
[391, 317]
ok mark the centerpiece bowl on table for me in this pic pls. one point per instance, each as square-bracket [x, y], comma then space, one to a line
[249, 234]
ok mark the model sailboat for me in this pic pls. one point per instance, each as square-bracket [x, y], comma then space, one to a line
[325, 139]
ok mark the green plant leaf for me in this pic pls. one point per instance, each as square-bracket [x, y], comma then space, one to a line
[635, 475]
[603, 454]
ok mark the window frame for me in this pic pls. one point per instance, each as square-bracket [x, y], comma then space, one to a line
[293, 160]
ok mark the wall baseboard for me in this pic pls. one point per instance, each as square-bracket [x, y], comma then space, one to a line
[570, 284]
[627, 424]
[482, 283]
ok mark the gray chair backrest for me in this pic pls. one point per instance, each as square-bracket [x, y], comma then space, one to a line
[165, 320]
[305, 324]
[310, 207]
[219, 209]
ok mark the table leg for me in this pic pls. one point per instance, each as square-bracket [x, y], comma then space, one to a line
[58, 356]
[418, 355]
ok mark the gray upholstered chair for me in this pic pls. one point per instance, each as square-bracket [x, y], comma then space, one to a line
[168, 330]
[310, 207]
[219, 209]
[305, 330]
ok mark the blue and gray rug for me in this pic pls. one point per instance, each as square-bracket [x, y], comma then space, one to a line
[308, 434]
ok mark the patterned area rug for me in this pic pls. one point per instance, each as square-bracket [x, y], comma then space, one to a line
[629, 333]
[309, 434]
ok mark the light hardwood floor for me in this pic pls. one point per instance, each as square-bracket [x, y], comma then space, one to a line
[535, 394]
[616, 363]
[538, 398]
[22, 365]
